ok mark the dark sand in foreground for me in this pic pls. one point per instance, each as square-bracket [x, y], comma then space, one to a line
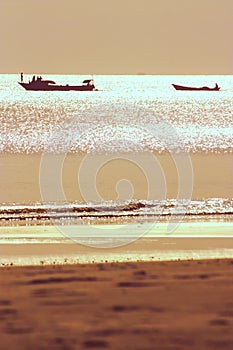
[141, 305]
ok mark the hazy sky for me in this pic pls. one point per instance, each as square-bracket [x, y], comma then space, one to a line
[116, 36]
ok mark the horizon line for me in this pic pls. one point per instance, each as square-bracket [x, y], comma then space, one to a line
[130, 74]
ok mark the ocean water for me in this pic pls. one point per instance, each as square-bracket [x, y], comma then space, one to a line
[127, 114]
[128, 117]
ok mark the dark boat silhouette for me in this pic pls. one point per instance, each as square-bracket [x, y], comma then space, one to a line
[204, 88]
[39, 84]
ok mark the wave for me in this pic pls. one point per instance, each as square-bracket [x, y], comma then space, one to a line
[144, 209]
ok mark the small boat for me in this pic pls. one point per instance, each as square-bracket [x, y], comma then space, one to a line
[188, 88]
[39, 84]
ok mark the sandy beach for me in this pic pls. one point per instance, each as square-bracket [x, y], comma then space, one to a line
[138, 306]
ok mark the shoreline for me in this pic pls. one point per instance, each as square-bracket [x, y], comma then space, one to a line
[183, 256]
[35, 245]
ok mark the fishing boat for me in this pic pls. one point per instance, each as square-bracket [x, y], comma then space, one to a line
[39, 84]
[188, 88]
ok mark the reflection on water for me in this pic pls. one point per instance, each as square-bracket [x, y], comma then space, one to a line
[129, 113]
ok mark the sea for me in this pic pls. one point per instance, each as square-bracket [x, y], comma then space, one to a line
[139, 151]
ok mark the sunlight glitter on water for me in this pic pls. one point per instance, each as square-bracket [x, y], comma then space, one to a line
[129, 113]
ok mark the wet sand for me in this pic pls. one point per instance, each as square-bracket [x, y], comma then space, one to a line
[139, 306]
[27, 245]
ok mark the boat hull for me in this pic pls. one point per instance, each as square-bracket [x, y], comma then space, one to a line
[46, 87]
[188, 88]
